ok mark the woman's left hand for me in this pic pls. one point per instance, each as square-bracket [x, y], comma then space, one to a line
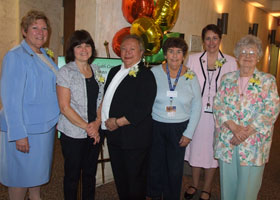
[249, 131]
[111, 124]
[184, 141]
[92, 131]
[92, 128]
[235, 141]
[23, 145]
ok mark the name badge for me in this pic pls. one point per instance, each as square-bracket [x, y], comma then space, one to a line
[171, 94]
[208, 109]
[170, 110]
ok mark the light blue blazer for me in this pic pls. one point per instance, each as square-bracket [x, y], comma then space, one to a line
[28, 93]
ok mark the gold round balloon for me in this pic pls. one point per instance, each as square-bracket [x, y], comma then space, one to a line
[150, 33]
[166, 13]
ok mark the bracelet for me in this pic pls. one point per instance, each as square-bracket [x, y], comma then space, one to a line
[116, 123]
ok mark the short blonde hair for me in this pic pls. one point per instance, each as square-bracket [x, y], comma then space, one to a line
[31, 17]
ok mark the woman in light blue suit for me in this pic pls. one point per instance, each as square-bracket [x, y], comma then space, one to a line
[30, 111]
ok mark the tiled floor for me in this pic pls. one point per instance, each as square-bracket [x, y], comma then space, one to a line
[269, 191]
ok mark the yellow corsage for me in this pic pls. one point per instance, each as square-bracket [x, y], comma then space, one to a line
[49, 52]
[255, 80]
[189, 75]
[133, 71]
[219, 63]
[99, 77]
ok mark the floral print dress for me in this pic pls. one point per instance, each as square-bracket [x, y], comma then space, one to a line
[259, 108]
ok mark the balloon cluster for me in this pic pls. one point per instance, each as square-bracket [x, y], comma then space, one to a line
[151, 20]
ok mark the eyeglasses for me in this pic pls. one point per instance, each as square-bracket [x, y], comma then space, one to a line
[249, 53]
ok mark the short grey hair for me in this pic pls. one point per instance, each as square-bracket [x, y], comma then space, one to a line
[248, 41]
[137, 38]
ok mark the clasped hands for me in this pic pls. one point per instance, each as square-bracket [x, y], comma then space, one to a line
[111, 124]
[241, 133]
[92, 131]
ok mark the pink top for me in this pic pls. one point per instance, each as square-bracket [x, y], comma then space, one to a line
[199, 152]
[243, 85]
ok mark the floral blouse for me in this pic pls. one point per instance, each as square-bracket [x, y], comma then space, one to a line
[259, 108]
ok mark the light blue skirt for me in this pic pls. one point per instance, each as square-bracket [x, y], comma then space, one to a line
[31, 169]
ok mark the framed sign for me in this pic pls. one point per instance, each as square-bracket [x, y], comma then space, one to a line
[105, 64]
[195, 43]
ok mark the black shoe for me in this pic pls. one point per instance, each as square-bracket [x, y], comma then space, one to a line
[188, 195]
[205, 193]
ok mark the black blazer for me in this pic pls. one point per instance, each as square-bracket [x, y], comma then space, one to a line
[133, 98]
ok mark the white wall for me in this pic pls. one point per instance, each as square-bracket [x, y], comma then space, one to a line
[11, 12]
[106, 19]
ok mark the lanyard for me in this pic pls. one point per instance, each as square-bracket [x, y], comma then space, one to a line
[172, 88]
[209, 86]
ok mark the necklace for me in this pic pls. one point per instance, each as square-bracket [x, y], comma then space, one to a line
[242, 87]
[210, 78]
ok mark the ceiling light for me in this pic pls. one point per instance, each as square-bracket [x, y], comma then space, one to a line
[275, 14]
[256, 4]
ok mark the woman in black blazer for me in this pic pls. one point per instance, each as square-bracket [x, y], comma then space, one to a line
[126, 118]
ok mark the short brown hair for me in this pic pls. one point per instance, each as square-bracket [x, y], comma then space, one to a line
[175, 42]
[31, 17]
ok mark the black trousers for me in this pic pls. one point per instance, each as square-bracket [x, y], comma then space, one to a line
[166, 161]
[80, 157]
[130, 171]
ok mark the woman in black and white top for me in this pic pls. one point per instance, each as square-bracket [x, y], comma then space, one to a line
[79, 90]
[130, 91]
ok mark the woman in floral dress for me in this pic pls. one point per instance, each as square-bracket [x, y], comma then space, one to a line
[245, 109]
